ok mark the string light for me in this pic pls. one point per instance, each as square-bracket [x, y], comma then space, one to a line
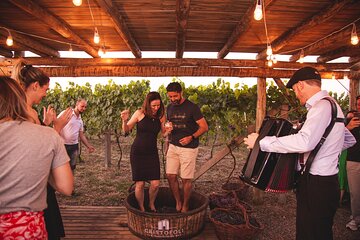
[9, 39]
[258, 14]
[354, 37]
[273, 59]
[77, 2]
[346, 77]
[96, 36]
[269, 51]
[102, 50]
[270, 63]
[333, 77]
[70, 48]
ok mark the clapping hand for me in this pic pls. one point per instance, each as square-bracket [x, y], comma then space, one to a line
[49, 115]
[63, 119]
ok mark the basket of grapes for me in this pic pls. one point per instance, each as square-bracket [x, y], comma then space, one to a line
[226, 200]
[231, 224]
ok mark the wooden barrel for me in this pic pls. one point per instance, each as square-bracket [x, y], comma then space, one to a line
[149, 225]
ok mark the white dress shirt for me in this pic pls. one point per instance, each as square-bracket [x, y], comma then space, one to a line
[317, 120]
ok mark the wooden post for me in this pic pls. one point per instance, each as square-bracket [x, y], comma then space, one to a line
[107, 149]
[260, 114]
[353, 92]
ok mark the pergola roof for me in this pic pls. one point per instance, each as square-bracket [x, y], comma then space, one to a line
[45, 27]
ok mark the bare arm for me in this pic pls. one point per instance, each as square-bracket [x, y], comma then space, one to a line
[62, 179]
[86, 142]
[203, 128]
[127, 125]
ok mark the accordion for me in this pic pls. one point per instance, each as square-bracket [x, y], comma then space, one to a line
[271, 172]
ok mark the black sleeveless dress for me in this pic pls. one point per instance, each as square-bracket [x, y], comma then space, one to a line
[144, 157]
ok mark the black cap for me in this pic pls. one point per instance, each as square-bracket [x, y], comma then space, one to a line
[305, 73]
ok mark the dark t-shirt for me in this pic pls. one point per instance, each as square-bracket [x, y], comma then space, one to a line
[183, 118]
[354, 151]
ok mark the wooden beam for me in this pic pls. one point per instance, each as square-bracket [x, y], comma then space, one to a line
[120, 26]
[285, 91]
[218, 156]
[170, 62]
[340, 52]
[243, 25]
[324, 43]
[353, 92]
[354, 59]
[182, 14]
[57, 24]
[151, 71]
[34, 45]
[6, 52]
[304, 26]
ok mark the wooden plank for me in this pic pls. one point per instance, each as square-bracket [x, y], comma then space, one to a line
[182, 14]
[304, 26]
[120, 26]
[80, 222]
[57, 24]
[218, 156]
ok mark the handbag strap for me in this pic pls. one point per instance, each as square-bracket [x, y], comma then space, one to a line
[313, 153]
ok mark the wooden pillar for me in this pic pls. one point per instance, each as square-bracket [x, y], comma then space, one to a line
[18, 54]
[107, 149]
[260, 114]
[353, 92]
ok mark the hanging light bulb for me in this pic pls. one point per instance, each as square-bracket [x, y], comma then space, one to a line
[9, 40]
[96, 36]
[101, 52]
[77, 2]
[346, 77]
[354, 37]
[70, 48]
[333, 77]
[301, 59]
[269, 50]
[270, 63]
[258, 14]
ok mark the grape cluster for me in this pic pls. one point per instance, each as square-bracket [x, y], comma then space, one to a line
[222, 201]
[229, 217]
[166, 209]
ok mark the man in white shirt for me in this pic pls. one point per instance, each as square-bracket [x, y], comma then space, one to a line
[318, 192]
[74, 130]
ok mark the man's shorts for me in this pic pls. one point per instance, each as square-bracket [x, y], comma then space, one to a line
[181, 161]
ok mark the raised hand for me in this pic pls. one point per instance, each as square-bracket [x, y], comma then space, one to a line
[63, 119]
[49, 115]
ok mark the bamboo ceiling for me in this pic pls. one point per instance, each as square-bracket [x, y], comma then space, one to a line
[46, 27]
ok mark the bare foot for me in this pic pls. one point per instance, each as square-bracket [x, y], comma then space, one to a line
[142, 209]
[184, 209]
[152, 208]
[178, 206]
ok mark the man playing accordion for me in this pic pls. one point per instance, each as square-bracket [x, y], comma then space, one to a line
[317, 192]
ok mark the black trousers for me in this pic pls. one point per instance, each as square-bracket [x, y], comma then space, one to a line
[317, 201]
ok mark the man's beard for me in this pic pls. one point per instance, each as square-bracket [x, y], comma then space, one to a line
[176, 102]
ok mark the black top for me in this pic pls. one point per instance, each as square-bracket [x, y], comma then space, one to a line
[144, 157]
[354, 151]
[183, 118]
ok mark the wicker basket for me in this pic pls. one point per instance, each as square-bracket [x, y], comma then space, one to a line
[148, 225]
[226, 200]
[233, 184]
[227, 231]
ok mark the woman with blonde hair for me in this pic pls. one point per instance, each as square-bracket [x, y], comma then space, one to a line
[28, 162]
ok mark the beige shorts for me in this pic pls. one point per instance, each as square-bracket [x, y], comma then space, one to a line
[181, 161]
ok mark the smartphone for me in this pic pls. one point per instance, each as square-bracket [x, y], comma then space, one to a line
[357, 115]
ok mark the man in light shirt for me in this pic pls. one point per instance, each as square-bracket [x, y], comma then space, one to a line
[318, 192]
[74, 130]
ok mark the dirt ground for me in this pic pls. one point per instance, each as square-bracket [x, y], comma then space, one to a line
[100, 186]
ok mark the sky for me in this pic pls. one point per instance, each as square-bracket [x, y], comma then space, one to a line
[338, 86]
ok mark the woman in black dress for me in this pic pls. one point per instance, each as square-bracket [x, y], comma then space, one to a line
[144, 157]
